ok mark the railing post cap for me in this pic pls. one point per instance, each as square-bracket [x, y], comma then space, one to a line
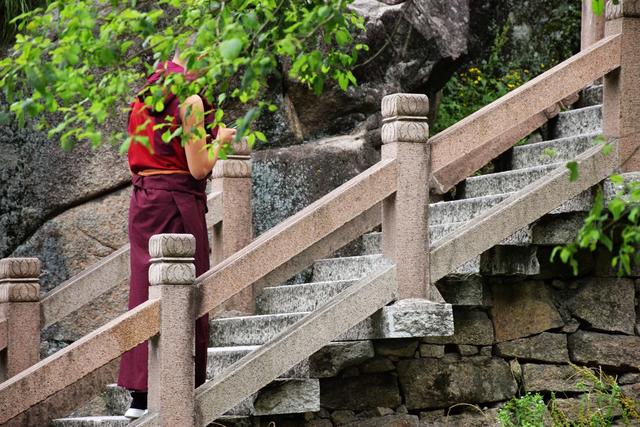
[172, 245]
[20, 268]
[405, 104]
[624, 8]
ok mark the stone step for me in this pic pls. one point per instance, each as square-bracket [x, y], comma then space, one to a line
[503, 182]
[346, 268]
[578, 122]
[550, 152]
[298, 298]
[220, 358]
[460, 211]
[249, 330]
[591, 95]
[425, 319]
[97, 421]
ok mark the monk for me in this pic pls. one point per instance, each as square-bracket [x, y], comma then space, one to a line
[169, 182]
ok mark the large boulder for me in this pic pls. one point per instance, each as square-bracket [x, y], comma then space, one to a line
[40, 180]
[414, 46]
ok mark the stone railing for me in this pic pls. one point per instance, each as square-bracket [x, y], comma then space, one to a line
[400, 182]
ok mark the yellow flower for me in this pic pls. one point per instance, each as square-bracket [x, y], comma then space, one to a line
[526, 71]
[510, 86]
[541, 65]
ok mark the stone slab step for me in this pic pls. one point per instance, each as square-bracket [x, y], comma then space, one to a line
[550, 152]
[578, 122]
[298, 298]
[591, 95]
[220, 358]
[106, 421]
[347, 268]
[389, 322]
[504, 182]
[459, 211]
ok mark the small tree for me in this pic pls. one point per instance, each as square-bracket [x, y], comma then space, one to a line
[81, 59]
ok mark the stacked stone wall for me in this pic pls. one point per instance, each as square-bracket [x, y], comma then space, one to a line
[521, 336]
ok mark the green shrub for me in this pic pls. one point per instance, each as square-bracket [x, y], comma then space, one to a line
[479, 85]
[525, 411]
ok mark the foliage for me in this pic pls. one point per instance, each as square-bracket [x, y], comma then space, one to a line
[79, 59]
[598, 6]
[602, 400]
[525, 411]
[613, 224]
[470, 90]
[10, 9]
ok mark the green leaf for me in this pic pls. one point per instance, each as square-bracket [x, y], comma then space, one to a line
[342, 37]
[230, 49]
[616, 207]
[573, 169]
[597, 6]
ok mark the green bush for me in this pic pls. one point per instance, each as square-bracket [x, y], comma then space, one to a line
[479, 85]
[525, 411]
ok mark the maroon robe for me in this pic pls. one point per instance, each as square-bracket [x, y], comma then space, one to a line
[174, 203]
[163, 204]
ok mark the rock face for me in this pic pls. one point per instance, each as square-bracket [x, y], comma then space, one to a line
[606, 304]
[522, 310]
[360, 392]
[546, 347]
[39, 180]
[472, 327]
[614, 351]
[79, 237]
[423, 39]
[437, 383]
[287, 179]
[560, 378]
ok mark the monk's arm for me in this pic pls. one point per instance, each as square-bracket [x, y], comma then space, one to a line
[192, 115]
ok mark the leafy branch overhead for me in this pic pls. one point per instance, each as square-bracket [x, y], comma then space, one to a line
[78, 61]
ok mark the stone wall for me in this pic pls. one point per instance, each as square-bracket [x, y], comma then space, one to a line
[520, 336]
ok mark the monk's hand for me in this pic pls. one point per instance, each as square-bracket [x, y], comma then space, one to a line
[226, 135]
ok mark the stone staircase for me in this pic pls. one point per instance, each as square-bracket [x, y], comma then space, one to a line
[277, 308]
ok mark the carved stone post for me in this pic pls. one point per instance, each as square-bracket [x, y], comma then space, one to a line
[20, 307]
[592, 28]
[621, 114]
[233, 178]
[171, 353]
[405, 230]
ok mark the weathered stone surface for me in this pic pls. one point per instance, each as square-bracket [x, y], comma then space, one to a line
[40, 180]
[342, 417]
[431, 350]
[331, 359]
[105, 421]
[288, 397]
[485, 418]
[78, 238]
[396, 348]
[616, 351]
[606, 304]
[523, 309]
[361, 392]
[377, 365]
[469, 291]
[285, 180]
[402, 420]
[467, 350]
[471, 326]
[561, 378]
[433, 383]
[546, 347]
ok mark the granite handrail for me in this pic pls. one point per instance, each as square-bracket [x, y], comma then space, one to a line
[3, 334]
[296, 234]
[69, 365]
[462, 149]
[101, 277]
[267, 253]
